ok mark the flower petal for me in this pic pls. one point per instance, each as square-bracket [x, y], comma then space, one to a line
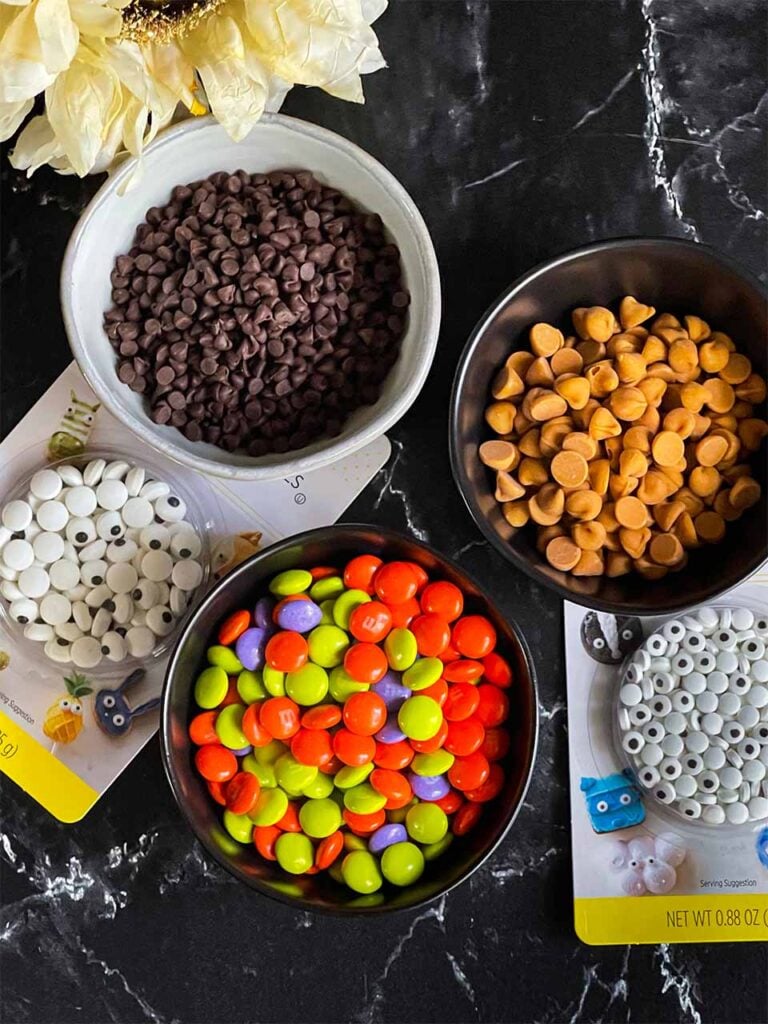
[22, 70]
[11, 116]
[81, 105]
[57, 33]
[94, 18]
[37, 145]
[168, 66]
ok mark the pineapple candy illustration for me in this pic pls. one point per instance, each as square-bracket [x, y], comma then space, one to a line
[64, 718]
[74, 429]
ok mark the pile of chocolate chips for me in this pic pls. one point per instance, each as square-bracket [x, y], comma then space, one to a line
[257, 311]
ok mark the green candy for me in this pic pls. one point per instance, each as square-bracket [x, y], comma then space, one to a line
[402, 863]
[269, 753]
[335, 872]
[319, 818]
[228, 727]
[270, 807]
[435, 850]
[250, 686]
[346, 604]
[422, 674]
[436, 763]
[420, 717]
[326, 607]
[352, 775]
[265, 773]
[353, 842]
[211, 687]
[364, 799]
[401, 649]
[294, 852]
[239, 826]
[328, 586]
[426, 823]
[292, 581]
[308, 685]
[292, 775]
[319, 788]
[327, 645]
[274, 681]
[342, 685]
[224, 657]
[360, 870]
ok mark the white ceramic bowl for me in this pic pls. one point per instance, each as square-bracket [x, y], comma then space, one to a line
[192, 150]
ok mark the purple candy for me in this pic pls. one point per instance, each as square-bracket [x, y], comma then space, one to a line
[262, 613]
[386, 836]
[242, 752]
[250, 648]
[429, 787]
[390, 732]
[391, 691]
[299, 616]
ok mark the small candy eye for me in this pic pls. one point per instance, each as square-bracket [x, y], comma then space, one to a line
[119, 720]
[76, 709]
[626, 634]
[602, 806]
[88, 419]
[109, 702]
[64, 704]
[651, 860]
[633, 863]
[625, 799]
[599, 643]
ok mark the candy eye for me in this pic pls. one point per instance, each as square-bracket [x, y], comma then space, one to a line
[76, 709]
[599, 643]
[64, 704]
[625, 799]
[602, 806]
[626, 634]
[88, 418]
[109, 702]
[633, 863]
[650, 860]
[119, 720]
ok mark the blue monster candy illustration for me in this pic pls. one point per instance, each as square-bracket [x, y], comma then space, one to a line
[762, 846]
[613, 802]
[113, 712]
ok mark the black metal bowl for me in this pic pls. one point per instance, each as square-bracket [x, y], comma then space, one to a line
[675, 276]
[335, 545]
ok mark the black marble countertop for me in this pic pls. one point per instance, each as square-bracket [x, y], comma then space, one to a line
[521, 128]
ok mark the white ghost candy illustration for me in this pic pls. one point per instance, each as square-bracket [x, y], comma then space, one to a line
[633, 884]
[670, 848]
[618, 855]
[659, 877]
[641, 847]
[647, 864]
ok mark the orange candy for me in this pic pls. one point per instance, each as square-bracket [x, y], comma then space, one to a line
[364, 824]
[280, 717]
[444, 599]
[366, 662]
[360, 571]
[233, 626]
[464, 737]
[451, 802]
[474, 636]
[321, 716]
[466, 818]
[422, 577]
[242, 792]
[290, 820]
[264, 839]
[396, 582]
[462, 701]
[328, 850]
[463, 671]
[321, 571]
[469, 773]
[370, 622]
[216, 789]
[403, 614]
[253, 729]
[497, 670]
[437, 691]
[489, 789]
[215, 763]
[312, 746]
[232, 696]
[202, 728]
[433, 634]
[496, 744]
[286, 651]
[364, 714]
[352, 748]
[394, 755]
[393, 785]
[433, 743]
[494, 705]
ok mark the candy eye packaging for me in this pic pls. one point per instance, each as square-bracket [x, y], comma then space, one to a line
[335, 547]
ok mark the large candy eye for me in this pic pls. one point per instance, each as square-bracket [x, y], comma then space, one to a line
[88, 419]
[64, 704]
[109, 702]
[625, 799]
[119, 720]
[602, 806]
[626, 634]
[599, 643]
[76, 709]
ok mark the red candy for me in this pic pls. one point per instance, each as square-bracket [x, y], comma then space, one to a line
[359, 573]
[364, 824]
[473, 636]
[422, 579]
[253, 729]
[290, 820]
[451, 802]
[396, 582]
[312, 746]
[432, 634]
[468, 773]
[437, 691]
[364, 714]
[215, 763]
[403, 614]
[496, 744]
[232, 627]
[370, 622]
[216, 789]
[444, 599]
[465, 737]
[394, 755]
[242, 792]
[462, 701]
[328, 850]
[494, 705]
[497, 670]
[321, 571]
[202, 728]
[286, 651]
[353, 749]
[280, 717]
[366, 662]
[393, 785]
[463, 671]
[322, 716]
[466, 818]
[264, 839]
[489, 789]
[435, 742]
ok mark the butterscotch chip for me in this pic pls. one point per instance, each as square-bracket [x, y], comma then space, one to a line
[575, 390]
[726, 339]
[617, 563]
[701, 425]
[665, 320]
[545, 339]
[638, 437]
[603, 424]
[693, 503]
[507, 383]
[631, 512]
[577, 319]
[516, 513]
[566, 360]
[522, 423]
[632, 462]
[662, 371]
[680, 421]
[499, 454]
[589, 564]
[666, 549]
[704, 481]
[753, 389]
[722, 505]
[532, 472]
[653, 488]
[628, 403]
[714, 356]
[737, 369]
[607, 518]
[697, 328]
[672, 334]
[545, 516]
[632, 312]
[674, 475]
[685, 531]
[752, 432]
[667, 448]
[709, 526]
[621, 486]
[546, 405]
[500, 417]
[613, 447]
[602, 378]
[539, 374]
[545, 534]
[634, 542]
[630, 367]
[519, 361]
[726, 422]
[583, 505]
[591, 351]
[529, 443]
[711, 449]
[683, 356]
[582, 443]
[720, 394]
[599, 475]
[562, 553]
[569, 469]
[623, 344]
[582, 417]
[650, 570]
[553, 434]
[744, 493]
[570, 341]
[507, 488]
[666, 513]
[599, 323]
[733, 473]
[612, 542]
[654, 350]
[650, 419]
[654, 389]
[693, 396]
[742, 410]
[589, 536]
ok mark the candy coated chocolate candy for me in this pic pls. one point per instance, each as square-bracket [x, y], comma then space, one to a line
[249, 648]
[300, 616]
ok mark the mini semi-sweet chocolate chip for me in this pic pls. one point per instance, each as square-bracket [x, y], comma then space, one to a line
[258, 311]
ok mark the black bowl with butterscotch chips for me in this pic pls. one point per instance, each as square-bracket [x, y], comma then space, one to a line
[674, 276]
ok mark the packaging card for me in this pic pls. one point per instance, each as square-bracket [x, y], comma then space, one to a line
[720, 887]
[68, 778]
